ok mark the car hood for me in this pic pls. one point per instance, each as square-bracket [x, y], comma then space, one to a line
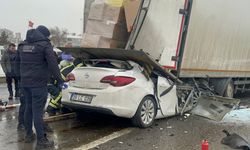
[139, 57]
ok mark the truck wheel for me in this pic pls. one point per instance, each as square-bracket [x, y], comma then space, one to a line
[145, 114]
[229, 91]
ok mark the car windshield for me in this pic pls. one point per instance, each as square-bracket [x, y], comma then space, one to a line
[108, 63]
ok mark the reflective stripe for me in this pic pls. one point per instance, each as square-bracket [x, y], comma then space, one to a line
[52, 105]
[63, 69]
[55, 101]
[79, 65]
[66, 67]
[63, 77]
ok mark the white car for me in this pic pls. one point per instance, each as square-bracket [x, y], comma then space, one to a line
[123, 83]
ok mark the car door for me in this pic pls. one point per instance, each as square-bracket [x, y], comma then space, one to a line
[167, 98]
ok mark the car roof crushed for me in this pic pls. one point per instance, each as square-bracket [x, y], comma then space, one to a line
[139, 57]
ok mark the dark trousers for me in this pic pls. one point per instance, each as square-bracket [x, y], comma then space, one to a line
[35, 100]
[21, 109]
[55, 100]
[9, 80]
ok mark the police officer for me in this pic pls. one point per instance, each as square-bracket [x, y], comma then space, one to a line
[37, 61]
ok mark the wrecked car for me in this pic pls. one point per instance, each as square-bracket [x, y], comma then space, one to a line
[124, 83]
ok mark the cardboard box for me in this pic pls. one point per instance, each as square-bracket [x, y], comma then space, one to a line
[131, 8]
[96, 10]
[103, 28]
[107, 29]
[104, 42]
[90, 40]
[117, 44]
[101, 10]
[109, 43]
[120, 33]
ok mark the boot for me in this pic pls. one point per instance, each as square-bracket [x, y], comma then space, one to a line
[44, 143]
[30, 138]
[11, 97]
[51, 111]
[21, 127]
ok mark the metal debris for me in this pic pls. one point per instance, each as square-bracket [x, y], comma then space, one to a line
[214, 107]
[169, 127]
[235, 141]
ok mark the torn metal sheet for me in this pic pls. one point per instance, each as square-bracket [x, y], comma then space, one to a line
[139, 57]
[214, 107]
[235, 141]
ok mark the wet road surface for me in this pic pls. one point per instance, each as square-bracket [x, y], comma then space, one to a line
[67, 134]
[174, 133]
[177, 133]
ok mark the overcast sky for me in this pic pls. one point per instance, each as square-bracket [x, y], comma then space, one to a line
[15, 14]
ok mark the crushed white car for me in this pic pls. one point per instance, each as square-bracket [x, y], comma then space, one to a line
[126, 84]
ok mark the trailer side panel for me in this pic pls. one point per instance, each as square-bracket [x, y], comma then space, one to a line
[218, 40]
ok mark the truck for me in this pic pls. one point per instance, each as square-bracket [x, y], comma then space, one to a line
[205, 43]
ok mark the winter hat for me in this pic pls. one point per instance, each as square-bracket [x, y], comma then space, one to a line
[44, 30]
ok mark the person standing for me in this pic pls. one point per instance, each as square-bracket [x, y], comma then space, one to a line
[8, 65]
[37, 63]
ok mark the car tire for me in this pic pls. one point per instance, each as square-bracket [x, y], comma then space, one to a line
[146, 112]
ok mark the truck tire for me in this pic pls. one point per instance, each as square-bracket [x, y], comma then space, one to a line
[229, 90]
[146, 112]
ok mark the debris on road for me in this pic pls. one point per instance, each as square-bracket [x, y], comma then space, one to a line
[60, 117]
[214, 107]
[120, 142]
[235, 141]
[4, 105]
[169, 127]
[186, 132]
[186, 115]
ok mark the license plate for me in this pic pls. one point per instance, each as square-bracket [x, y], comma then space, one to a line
[84, 98]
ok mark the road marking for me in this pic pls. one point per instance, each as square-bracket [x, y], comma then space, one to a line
[104, 139]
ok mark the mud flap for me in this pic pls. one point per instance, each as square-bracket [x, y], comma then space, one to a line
[214, 107]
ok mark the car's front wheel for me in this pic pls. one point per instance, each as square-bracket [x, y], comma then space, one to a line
[146, 112]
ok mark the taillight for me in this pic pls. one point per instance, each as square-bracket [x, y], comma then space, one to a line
[117, 80]
[70, 77]
[107, 79]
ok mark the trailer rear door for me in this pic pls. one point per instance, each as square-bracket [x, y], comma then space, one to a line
[158, 30]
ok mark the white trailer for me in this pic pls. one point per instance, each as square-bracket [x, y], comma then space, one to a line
[201, 41]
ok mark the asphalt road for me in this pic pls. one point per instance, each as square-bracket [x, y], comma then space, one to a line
[98, 131]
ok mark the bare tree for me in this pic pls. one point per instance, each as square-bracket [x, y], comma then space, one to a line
[58, 36]
[4, 38]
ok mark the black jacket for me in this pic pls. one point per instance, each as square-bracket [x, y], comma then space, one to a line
[36, 61]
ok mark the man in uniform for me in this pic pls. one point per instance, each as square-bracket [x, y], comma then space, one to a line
[37, 62]
[55, 92]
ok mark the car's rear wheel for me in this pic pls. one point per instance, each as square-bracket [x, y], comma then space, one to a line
[146, 112]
